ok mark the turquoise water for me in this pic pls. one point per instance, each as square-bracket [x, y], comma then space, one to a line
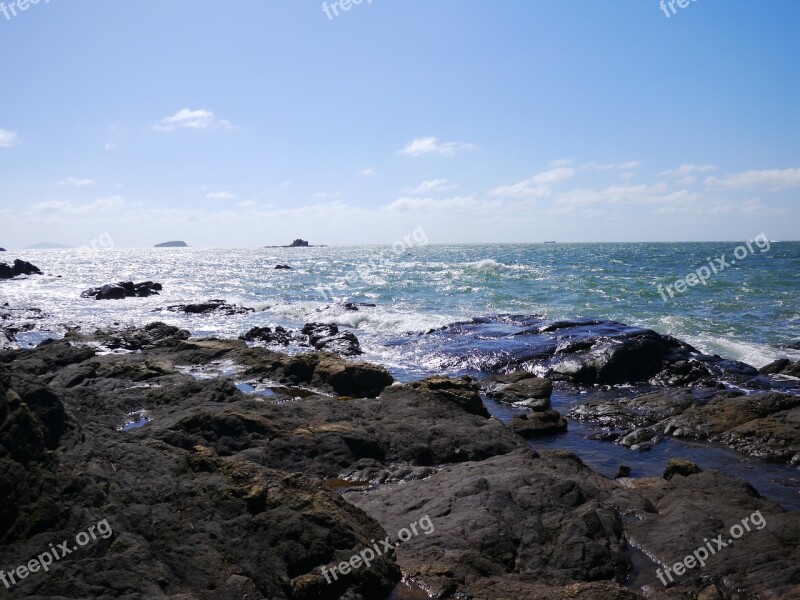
[744, 312]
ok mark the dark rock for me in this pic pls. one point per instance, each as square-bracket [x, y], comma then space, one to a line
[212, 306]
[282, 267]
[518, 523]
[679, 466]
[781, 367]
[152, 335]
[123, 289]
[354, 306]
[521, 388]
[670, 519]
[298, 243]
[279, 335]
[2, 249]
[623, 471]
[326, 336]
[20, 267]
[538, 424]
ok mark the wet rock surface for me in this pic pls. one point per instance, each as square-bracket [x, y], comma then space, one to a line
[20, 267]
[210, 307]
[227, 494]
[123, 289]
[765, 424]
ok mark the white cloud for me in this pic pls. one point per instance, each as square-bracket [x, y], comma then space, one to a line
[8, 139]
[561, 162]
[773, 179]
[221, 196]
[433, 185]
[431, 145]
[191, 119]
[626, 166]
[246, 204]
[428, 204]
[536, 186]
[98, 207]
[368, 172]
[74, 181]
[687, 170]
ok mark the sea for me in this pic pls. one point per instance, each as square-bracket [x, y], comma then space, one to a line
[746, 308]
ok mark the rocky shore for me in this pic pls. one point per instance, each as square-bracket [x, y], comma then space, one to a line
[229, 470]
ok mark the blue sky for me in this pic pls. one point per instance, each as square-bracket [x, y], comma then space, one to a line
[255, 122]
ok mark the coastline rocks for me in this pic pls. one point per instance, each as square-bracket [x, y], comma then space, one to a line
[212, 306]
[525, 523]
[20, 267]
[152, 335]
[122, 290]
[679, 466]
[538, 424]
[326, 336]
[521, 388]
[781, 367]
[765, 424]
[279, 335]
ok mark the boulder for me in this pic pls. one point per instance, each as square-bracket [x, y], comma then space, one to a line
[211, 307]
[781, 367]
[298, 243]
[679, 466]
[326, 336]
[539, 424]
[519, 387]
[122, 290]
[279, 335]
[283, 268]
[20, 267]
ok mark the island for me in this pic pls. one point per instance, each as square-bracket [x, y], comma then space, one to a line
[2, 249]
[173, 245]
[298, 243]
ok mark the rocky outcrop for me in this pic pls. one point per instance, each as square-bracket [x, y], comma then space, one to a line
[782, 367]
[521, 388]
[230, 495]
[766, 425]
[211, 307]
[278, 336]
[538, 424]
[20, 267]
[326, 336]
[122, 290]
[283, 268]
[298, 243]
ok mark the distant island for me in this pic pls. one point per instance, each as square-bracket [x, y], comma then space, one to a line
[298, 243]
[173, 245]
[48, 246]
[2, 249]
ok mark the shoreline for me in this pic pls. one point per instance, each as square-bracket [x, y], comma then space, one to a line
[219, 457]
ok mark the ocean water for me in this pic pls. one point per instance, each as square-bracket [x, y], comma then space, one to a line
[746, 312]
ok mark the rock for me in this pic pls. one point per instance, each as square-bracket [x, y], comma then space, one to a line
[539, 424]
[20, 267]
[2, 249]
[326, 336]
[282, 267]
[298, 243]
[623, 471]
[212, 306]
[781, 367]
[679, 466]
[279, 335]
[122, 290]
[519, 387]
[515, 522]
[175, 244]
[669, 519]
[354, 306]
[152, 335]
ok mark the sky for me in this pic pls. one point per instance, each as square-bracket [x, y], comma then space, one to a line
[255, 122]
